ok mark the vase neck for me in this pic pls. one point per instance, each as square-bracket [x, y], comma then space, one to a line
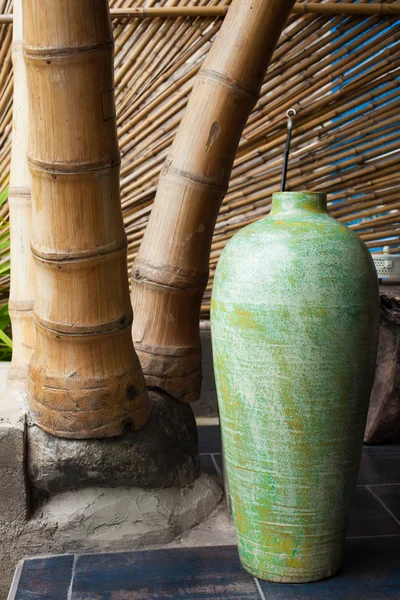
[295, 202]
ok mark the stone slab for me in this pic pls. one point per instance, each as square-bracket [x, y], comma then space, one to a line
[14, 495]
[164, 453]
[13, 488]
[383, 423]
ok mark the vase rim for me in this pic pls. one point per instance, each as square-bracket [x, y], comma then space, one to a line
[301, 192]
[298, 200]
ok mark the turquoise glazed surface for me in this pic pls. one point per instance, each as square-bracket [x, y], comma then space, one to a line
[294, 321]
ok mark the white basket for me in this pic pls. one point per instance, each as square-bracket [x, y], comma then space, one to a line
[387, 265]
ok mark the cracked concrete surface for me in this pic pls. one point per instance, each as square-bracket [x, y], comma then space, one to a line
[144, 516]
[104, 520]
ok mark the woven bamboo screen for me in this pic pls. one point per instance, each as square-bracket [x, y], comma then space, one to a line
[340, 73]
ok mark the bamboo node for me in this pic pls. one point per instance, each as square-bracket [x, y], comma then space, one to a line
[75, 168]
[230, 83]
[40, 53]
[65, 258]
[195, 179]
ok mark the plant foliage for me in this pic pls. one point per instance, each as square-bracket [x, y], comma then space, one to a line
[5, 323]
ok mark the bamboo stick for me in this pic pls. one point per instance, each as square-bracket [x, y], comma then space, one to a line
[349, 8]
[329, 8]
[171, 270]
[378, 8]
[85, 380]
[22, 290]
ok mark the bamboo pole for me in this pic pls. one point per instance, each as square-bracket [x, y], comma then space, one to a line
[301, 8]
[85, 380]
[171, 270]
[20, 210]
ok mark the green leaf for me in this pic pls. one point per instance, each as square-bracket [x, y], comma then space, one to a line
[5, 339]
[4, 317]
[4, 270]
[3, 196]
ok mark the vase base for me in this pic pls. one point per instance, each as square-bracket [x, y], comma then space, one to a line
[266, 575]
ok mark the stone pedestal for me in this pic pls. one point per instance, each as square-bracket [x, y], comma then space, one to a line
[162, 454]
[383, 424]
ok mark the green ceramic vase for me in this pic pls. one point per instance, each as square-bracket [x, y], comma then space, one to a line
[294, 321]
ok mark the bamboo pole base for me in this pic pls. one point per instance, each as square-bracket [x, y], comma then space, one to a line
[166, 339]
[175, 370]
[102, 399]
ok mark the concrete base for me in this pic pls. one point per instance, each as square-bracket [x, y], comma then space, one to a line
[104, 519]
[14, 489]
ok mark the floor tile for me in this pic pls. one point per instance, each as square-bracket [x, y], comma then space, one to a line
[380, 464]
[370, 571]
[390, 496]
[218, 460]
[43, 578]
[209, 439]
[212, 573]
[207, 464]
[369, 517]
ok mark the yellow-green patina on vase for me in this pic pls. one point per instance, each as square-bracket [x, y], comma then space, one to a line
[294, 320]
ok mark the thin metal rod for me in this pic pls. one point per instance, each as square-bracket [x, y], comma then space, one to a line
[290, 114]
[347, 8]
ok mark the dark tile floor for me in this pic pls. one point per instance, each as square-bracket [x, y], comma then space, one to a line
[371, 569]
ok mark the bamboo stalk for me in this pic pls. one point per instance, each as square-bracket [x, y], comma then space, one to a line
[168, 278]
[22, 290]
[85, 380]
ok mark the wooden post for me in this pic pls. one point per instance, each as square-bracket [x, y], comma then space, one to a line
[170, 272]
[20, 209]
[85, 380]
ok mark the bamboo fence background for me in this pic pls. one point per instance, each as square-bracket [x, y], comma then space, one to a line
[341, 74]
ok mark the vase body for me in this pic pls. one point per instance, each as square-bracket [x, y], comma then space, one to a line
[294, 319]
